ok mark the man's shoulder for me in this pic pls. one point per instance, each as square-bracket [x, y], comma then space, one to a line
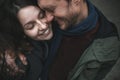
[106, 48]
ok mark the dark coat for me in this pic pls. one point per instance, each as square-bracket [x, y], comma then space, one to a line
[36, 60]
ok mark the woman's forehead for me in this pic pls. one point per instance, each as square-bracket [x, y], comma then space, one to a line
[28, 14]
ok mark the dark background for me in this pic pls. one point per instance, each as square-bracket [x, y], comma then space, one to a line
[110, 8]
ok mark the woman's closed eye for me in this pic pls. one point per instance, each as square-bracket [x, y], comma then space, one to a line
[29, 26]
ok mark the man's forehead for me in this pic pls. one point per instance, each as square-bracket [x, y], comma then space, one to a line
[46, 2]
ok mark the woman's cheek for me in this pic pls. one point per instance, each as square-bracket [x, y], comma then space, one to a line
[31, 33]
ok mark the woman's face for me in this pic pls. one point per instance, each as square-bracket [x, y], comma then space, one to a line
[34, 23]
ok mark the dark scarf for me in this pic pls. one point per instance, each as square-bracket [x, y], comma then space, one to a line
[78, 30]
[86, 25]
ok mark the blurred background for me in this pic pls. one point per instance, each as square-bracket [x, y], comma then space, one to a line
[110, 8]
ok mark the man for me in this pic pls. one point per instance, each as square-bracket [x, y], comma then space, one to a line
[12, 67]
[85, 45]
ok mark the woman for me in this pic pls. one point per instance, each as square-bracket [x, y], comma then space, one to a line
[35, 26]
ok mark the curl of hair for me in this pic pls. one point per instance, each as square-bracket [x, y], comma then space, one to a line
[15, 5]
[6, 71]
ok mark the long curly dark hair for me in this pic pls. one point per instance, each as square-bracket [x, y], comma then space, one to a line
[9, 71]
[9, 22]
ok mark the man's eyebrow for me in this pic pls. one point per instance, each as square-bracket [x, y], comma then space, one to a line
[48, 7]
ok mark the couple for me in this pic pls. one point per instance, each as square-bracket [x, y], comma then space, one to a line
[83, 44]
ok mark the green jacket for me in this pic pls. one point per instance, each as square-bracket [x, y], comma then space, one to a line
[101, 58]
[97, 60]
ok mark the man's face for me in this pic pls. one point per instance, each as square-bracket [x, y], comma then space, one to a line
[34, 23]
[65, 13]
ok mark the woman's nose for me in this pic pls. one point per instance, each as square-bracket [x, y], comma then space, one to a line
[41, 25]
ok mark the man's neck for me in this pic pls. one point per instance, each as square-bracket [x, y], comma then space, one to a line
[83, 12]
